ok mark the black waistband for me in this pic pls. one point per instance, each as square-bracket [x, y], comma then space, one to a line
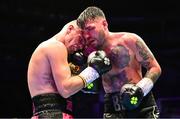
[50, 101]
[109, 106]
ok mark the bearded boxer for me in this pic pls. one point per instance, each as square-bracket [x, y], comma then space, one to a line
[128, 91]
[49, 76]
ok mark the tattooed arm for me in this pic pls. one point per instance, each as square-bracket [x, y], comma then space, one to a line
[146, 58]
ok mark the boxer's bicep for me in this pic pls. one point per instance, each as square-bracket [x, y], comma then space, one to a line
[59, 66]
[147, 59]
[143, 53]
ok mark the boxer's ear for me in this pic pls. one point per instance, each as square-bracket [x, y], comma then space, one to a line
[70, 27]
[105, 24]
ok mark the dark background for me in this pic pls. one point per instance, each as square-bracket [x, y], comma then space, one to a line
[26, 23]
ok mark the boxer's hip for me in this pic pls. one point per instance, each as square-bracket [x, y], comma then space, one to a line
[113, 103]
[51, 102]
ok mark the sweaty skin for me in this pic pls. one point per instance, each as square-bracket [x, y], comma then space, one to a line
[128, 54]
[125, 52]
[41, 70]
[48, 69]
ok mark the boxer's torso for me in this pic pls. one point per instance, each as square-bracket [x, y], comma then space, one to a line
[40, 78]
[125, 67]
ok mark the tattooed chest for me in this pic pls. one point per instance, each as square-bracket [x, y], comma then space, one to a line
[114, 82]
[120, 56]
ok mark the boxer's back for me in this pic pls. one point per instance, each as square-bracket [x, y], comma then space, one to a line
[40, 79]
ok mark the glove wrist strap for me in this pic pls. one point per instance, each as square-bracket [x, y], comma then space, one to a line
[146, 84]
[89, 75]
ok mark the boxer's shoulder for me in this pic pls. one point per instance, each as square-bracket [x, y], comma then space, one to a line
[51, 45]
[124, 38]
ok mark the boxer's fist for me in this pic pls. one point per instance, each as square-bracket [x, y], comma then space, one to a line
[99, 61]
[131, 96]
[77, 58]
[98, 64]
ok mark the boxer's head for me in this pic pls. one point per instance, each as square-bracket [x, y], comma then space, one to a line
[73, 39]
[94, 25]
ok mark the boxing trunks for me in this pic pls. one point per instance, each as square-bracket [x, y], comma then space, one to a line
[51, 105]
[114, 109]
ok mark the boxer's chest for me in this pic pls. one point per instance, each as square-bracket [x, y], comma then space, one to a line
[121, 56]
[123, 60]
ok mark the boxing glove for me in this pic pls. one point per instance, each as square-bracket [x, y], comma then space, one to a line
[131, 96]
[98, 64]
[77, 58]
[77, 62]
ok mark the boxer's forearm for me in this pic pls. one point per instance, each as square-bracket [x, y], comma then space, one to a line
[71, 86]
[153, 68]
[154, 72]
[153, 75]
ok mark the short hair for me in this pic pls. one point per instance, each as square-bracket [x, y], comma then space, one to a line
[90, 13]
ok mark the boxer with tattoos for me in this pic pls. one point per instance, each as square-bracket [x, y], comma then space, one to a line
[127, 91]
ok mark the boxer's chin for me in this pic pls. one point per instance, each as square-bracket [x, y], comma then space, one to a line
[89, 50]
